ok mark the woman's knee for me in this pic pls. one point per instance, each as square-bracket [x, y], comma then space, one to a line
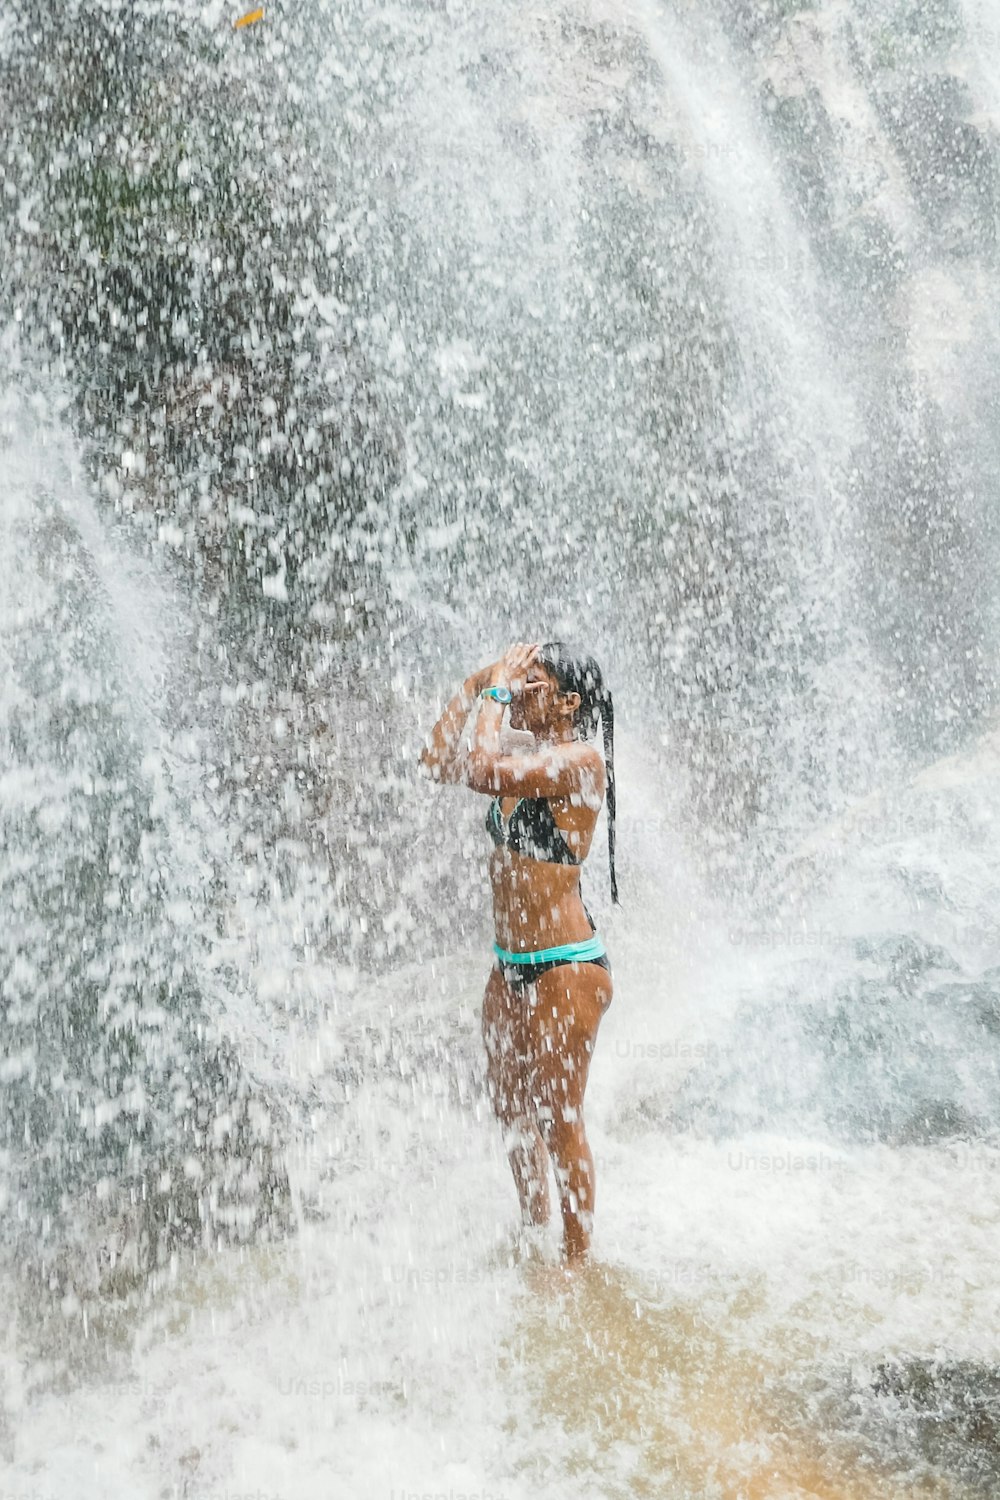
[520, 1136]
[573, 1165]
[560, 1124]
[502, 1095]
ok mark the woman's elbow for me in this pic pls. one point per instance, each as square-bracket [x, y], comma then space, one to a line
[479, 774]
[435, 770]
[427, 765]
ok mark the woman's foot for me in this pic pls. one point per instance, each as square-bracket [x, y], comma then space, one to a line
[535, 1245]
[527, 1245]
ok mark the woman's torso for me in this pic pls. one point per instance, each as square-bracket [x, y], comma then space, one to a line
[537, 902]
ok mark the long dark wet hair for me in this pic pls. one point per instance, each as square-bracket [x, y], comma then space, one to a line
[576, 672]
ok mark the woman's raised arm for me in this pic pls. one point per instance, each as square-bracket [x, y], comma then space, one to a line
[441, 757]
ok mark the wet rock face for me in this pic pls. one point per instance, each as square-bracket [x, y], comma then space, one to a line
[162, 212]
[755, 21]
[950, 163]
[161, 260]
[128, 1119]
[889, 153]
[929, 1423]
[944, 1415]
[166, 263]
[896, 1053]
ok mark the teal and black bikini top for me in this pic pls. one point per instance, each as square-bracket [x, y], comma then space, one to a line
[530, 830]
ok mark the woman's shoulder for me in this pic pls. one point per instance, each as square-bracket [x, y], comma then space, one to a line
[591, 783]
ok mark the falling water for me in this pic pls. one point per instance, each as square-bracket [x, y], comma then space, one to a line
[339, 350]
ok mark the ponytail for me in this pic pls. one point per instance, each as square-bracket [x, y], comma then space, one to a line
[576, 672]
[608, 722]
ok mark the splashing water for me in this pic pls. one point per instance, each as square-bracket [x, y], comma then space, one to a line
[341, 347]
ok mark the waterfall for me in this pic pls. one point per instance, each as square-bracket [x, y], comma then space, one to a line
[339, 350]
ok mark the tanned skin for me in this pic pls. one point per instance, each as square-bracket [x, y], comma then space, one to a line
[539, 1039]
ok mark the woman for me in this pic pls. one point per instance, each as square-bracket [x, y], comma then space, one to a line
[551, 982]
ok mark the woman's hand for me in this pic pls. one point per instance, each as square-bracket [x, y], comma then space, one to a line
[512, 669]
[480, 679]
[499, 673]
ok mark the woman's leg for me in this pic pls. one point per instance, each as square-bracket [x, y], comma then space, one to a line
[571, 1001]
[508, 1048]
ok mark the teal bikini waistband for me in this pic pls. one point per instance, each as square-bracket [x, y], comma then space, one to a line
[570, 952]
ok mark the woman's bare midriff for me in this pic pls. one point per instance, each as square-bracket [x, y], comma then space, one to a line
[536, 903]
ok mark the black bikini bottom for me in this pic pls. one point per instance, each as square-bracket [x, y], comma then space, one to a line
[524, 974]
